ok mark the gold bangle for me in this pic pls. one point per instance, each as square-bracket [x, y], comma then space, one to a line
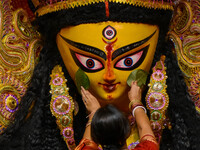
[88, 123]
[90, 114]
[135, 101]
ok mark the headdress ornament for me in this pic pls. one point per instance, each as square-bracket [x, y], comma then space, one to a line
[184, 33]
[48, 6]
[19, 53]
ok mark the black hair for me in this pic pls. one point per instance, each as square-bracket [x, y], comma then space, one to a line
[40, 131]
[110, 128]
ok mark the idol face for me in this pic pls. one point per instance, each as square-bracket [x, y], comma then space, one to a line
[108, 52]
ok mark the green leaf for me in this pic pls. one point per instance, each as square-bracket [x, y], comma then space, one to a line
[81, 79]
[138, 75]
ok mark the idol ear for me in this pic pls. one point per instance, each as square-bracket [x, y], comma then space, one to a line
[62, 105]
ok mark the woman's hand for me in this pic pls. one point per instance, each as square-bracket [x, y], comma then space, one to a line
[91, 103]
[135, 92]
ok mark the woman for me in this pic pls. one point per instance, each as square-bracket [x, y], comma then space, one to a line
[110, 128]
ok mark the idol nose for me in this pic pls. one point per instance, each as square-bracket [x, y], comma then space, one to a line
[109, 76]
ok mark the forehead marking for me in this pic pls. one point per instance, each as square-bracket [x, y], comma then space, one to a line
[109, 32]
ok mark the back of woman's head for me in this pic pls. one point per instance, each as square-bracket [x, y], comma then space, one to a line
[110, 128]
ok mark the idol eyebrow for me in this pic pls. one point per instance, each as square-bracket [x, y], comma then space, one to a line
[129, 47]
[86, 48]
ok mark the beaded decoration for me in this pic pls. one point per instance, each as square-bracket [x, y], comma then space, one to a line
[19, 50]
[184, 33]
[194, 90]
[49, 6]
[157, 99]
[62, 106]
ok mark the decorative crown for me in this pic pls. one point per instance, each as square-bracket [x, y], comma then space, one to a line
[48, 6]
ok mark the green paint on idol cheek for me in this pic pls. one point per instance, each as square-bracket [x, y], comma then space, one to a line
[81, 79]
[138, 75]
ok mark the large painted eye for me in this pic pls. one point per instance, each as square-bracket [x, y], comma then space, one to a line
[87, 64]
[131, 61]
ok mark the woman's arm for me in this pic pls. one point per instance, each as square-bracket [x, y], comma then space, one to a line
[91, 105]
[143, 123]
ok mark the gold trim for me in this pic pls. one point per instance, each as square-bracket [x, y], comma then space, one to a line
[49, 8]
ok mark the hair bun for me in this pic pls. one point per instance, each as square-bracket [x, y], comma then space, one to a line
[110, 147]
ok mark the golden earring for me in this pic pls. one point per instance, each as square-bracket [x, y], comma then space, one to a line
[157, 99]
[62, 106]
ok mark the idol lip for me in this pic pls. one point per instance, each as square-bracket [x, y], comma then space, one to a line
[109, 87]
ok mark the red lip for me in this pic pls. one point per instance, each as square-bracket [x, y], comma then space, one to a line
[109, 87]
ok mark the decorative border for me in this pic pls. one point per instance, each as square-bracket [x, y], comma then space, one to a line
[45, 8]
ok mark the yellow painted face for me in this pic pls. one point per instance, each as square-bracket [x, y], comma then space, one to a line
[108, 52]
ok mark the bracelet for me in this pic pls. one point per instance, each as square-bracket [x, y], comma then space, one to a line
[89, 114]
[133, 102]
[137, 108]
[88, 123]
[135, 105]
[154, 139]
